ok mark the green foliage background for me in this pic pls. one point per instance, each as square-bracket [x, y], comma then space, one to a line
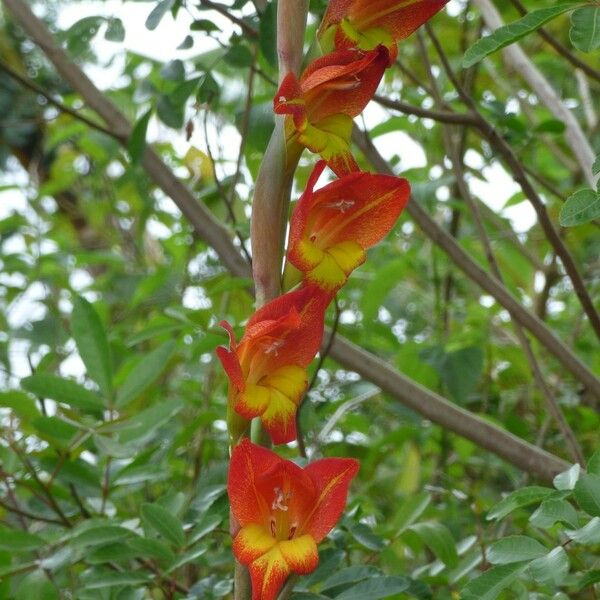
[113, 454]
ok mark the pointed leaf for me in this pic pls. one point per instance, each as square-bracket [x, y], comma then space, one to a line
[62, 390]
[92, 344]
[567, 479]
[375, 588]
[157, 13]
[164, 523]
[553, 511]
[439, 540]
[552, 568]
[509, 34]
[518, 499]
[489, 585]
[137, 139]
[145, 373]
[514, 548]
[589, 534]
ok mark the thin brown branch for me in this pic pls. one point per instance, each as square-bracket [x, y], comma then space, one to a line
[482, 278]
[226, 12]
[536, 201]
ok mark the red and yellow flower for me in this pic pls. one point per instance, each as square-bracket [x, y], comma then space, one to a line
[283, 512]
[332, 227]
[267, 369]
[365, 24]
[322, 103]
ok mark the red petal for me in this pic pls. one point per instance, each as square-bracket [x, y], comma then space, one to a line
[268, 574]
[342, 81]
[332, 477]
[289, 101]
[229, 359]
[399, 17]
[301, 336]
[247, 462]
[361, 207]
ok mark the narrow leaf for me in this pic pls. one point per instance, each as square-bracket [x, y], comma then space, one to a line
[553, 511]
[514, 548]
[439, 540]
[509, 34]
[15, 540]
[146, 372]
[567, 479]
[518, 499]
[62, 390]
[157, 13]
[489, 585]
[376, 588]
[92, 344]
[164, 523]
[115, 32]
[137, 141]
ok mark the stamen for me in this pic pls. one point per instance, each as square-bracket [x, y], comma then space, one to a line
[341, 205]
[280, 498]
[273, 527]
[273, 347]
[292, 531]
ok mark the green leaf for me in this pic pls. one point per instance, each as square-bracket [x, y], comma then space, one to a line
[268, 34]
[157, 13]
[238, 56]
[168, 112]
[152, 548]
[144, 424]
[552, 568]
[99, 535]
[102, 578]
[115, 32]
[589, 534]
[173, 70]
[164, 523]
[36, 586]
[489, 585]
[587, 494]
[593, 465]
[145, 373]
[16, 540]
[137, 140]
[411, 510]
[439, 540]
[376, 588]
[582, 207]
[585, 28]
[55, 429]
[596, 166]
[206, 524]
[509, 34]
[349, 575]
[204, 25]
[62, 390]
[567, 479]
[188, 42]
[20, 403]
[92, 344]
[514, 548]
[518, 499]
[365, 536]
[553, 511]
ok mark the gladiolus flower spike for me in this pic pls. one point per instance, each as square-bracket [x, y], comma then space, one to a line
[365, 24]
[322, 103]
[332, 227]
[283, 511]
[267, 368]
